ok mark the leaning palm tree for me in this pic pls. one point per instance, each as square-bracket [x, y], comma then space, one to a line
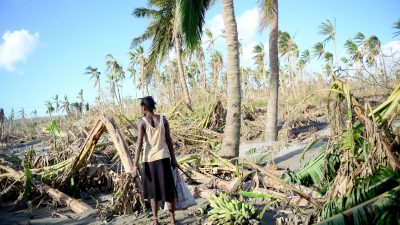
[95, 75]
[269, 17]
[259, 59]
[318, 50]
[49, 108]
[329, 30]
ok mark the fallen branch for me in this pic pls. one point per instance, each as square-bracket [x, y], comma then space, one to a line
[285, 185]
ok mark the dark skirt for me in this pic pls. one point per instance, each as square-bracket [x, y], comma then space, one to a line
[158, 180]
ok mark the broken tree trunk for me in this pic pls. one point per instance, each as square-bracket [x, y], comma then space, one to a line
[102, 124]
[74, 204]
[285, 185]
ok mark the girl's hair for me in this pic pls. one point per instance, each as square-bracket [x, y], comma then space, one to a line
[148, 103]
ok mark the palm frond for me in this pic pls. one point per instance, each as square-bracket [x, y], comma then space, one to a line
[192, 14]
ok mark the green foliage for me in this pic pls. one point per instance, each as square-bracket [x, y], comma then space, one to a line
[227, 210]
[27, 174]
[363, 190]
[192, 14]
[53, 128]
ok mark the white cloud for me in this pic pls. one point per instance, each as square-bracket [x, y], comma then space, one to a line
[16, 47]
[248, 25]
[247, 57]
[392, 48]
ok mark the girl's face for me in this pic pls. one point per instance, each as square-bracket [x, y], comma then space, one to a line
[143, 110]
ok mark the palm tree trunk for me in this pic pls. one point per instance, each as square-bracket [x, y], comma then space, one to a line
[203, 72]
[271, 130]
[178, 48]
[142, 78]
[230, 145]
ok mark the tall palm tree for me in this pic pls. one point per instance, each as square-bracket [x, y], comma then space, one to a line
[210, 40]
[66, 106]
[193, 73]
[269, 16]
[81, 101]
[216, 65]
[95, 75]
[134, 61]
[115, 70]
[57, 104]
[288, 49]
[304, 60]
[329, 30]
[112, 82]
[201, 59]
[192, 15]
[22, 114]
[143, 75]
[230, 145]
[49, 108]
[259, 58]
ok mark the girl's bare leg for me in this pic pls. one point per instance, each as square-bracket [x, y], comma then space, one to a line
[171, 210]
[154, 209]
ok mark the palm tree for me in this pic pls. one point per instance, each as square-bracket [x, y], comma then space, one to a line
[193, 73]
[230, 145]
[287, 49]
[259, 58]
[57, 104]
[22, 114]
[66, 106]
[95, 75]
[353, 51]
[216, 65]
[304, 60]
[318, 50]
[115, 70]
[142, 61]
[201, 59]
[34, 113]
[210, 40]
[396, 26]
[329, 30]
[165, 33]
[133, 58]
[112, 82]
[269, 16]
[49, 108]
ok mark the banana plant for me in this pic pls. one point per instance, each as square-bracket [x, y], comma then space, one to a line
[53, 130]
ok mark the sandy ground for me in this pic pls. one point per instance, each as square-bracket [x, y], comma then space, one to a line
[287, 157]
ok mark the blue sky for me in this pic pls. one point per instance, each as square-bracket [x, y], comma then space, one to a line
[47, 44]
